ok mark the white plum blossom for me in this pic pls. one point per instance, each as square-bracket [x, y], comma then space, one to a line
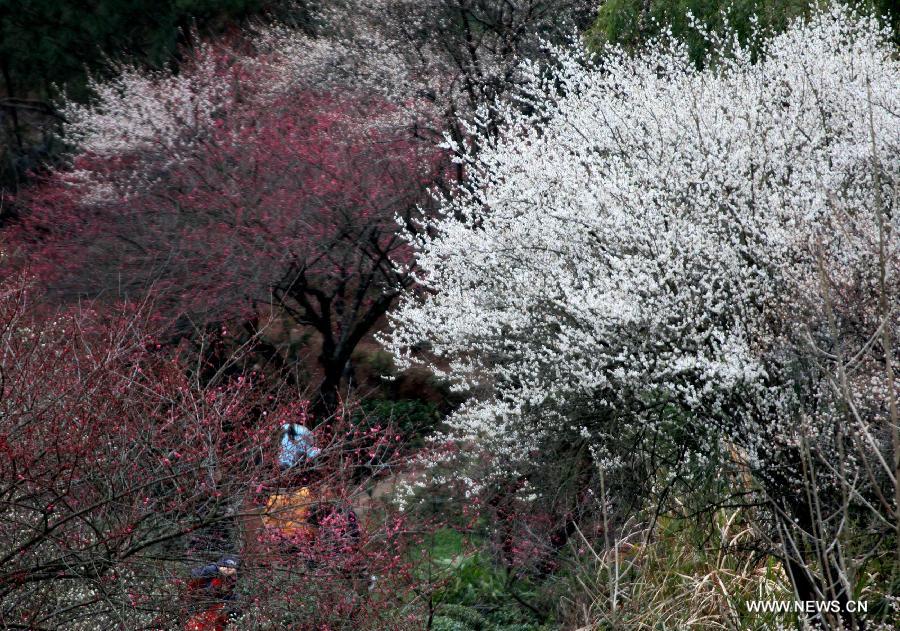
[649, 236]
[436, 58]
[137, 109]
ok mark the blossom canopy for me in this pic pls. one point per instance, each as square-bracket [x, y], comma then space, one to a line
[648, 236]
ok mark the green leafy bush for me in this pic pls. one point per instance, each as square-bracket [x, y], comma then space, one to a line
[630, 23]
[473, 594]
[413, 418]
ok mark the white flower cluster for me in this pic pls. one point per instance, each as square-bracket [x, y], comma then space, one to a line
[434, 59]
[648, 234]
[137, 109]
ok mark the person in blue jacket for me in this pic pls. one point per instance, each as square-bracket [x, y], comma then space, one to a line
[296, 446]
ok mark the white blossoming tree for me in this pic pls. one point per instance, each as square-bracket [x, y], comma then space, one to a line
[439, 58]
[684, 271]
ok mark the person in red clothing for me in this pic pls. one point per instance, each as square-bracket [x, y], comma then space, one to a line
[211, 591]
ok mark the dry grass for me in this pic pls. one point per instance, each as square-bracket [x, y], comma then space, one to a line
[674, 577]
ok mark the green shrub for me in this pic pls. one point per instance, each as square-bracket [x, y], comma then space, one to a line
[443, 623]
[413, 418]
[471, 593]
[630, 23]
[462, 618]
